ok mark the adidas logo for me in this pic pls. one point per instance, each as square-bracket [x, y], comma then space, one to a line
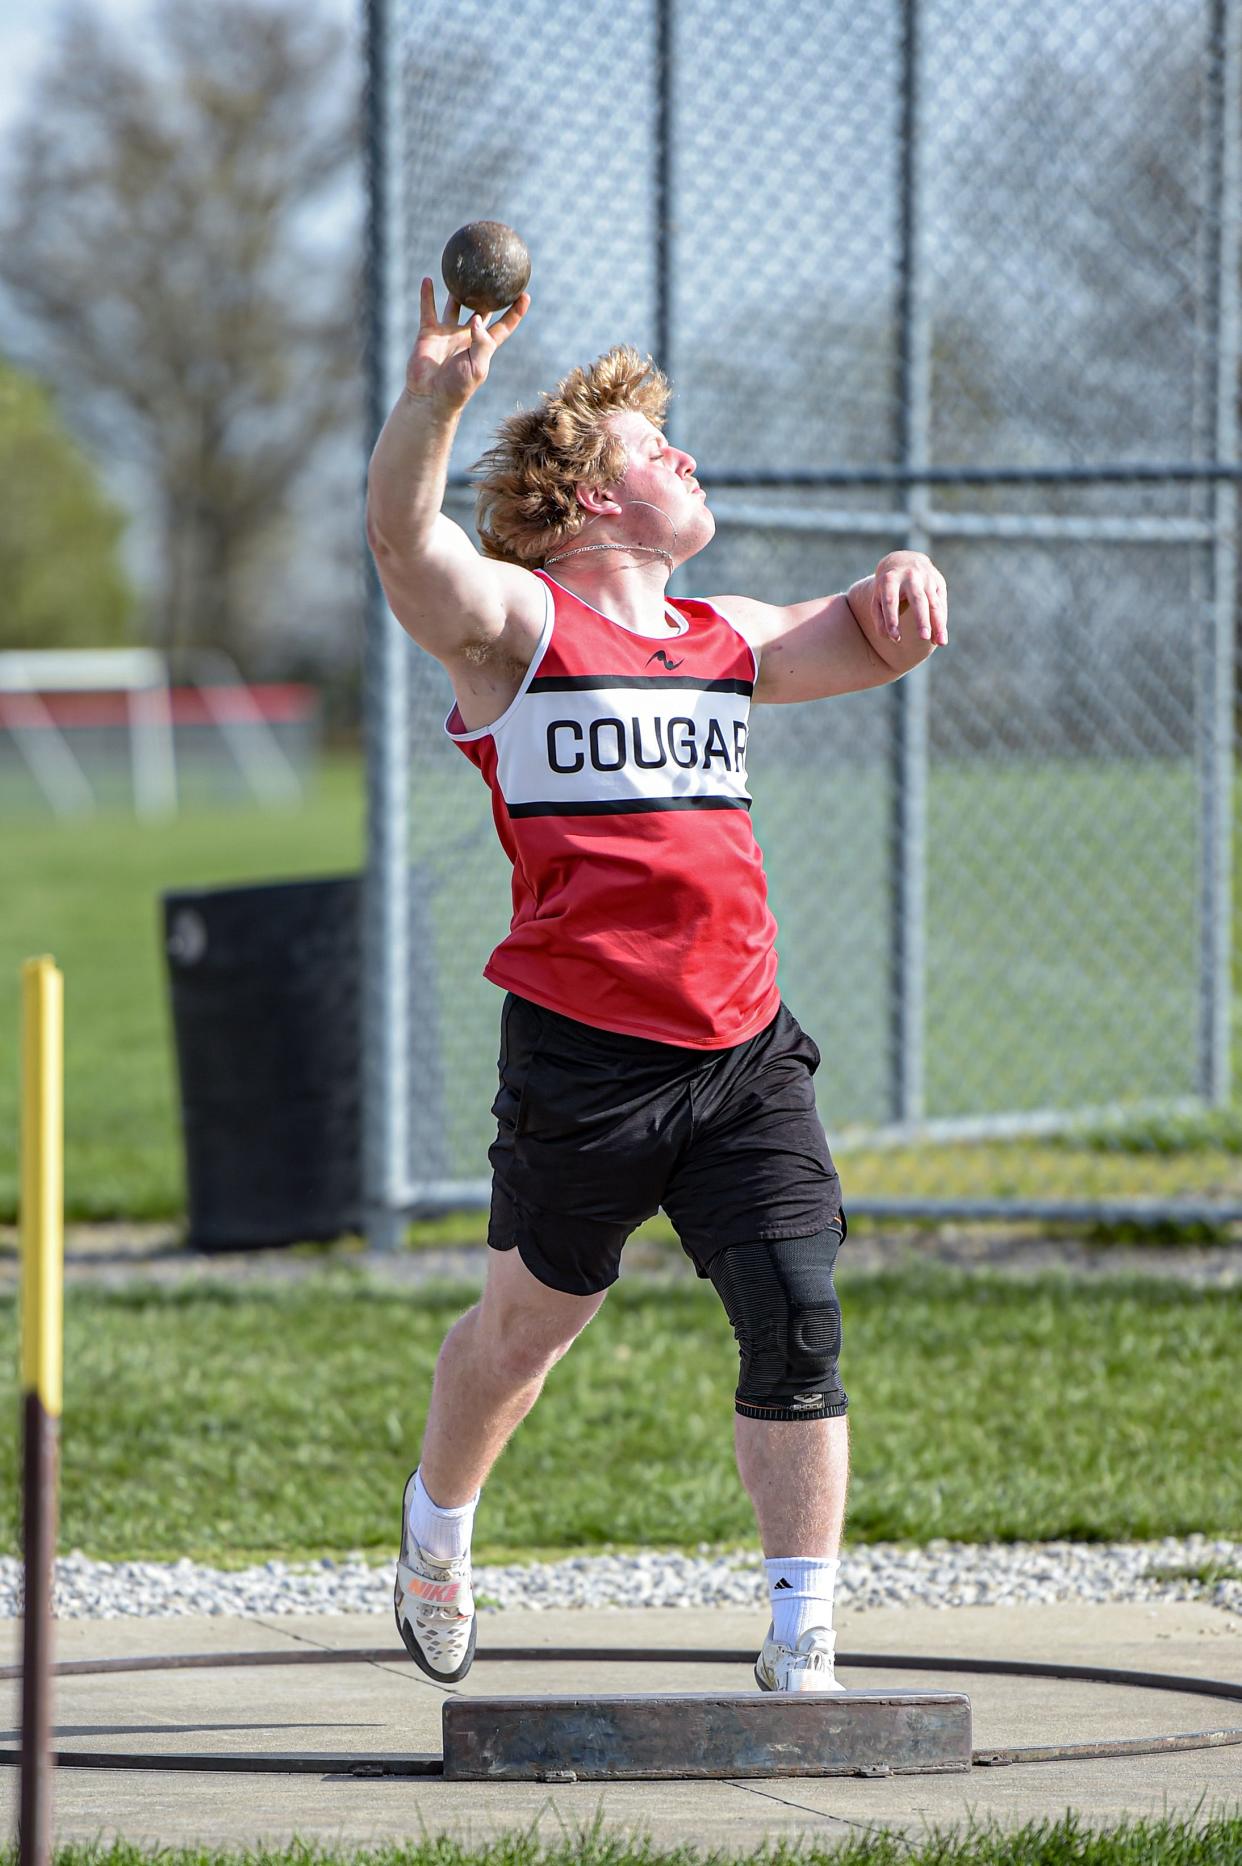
[780, 1584]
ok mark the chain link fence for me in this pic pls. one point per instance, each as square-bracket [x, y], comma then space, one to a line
[959, 277]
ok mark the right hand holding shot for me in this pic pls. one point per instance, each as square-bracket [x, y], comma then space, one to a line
[451, 360]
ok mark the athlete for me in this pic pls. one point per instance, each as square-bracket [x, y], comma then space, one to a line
[646, 1056]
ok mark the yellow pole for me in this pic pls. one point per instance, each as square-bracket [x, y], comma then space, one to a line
[42, 1206]
[42, 1363]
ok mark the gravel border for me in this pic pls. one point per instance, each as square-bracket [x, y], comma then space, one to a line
[942, 1574]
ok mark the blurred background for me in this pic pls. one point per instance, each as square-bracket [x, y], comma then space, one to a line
[962, 278]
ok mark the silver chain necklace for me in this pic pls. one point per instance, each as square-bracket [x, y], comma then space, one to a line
[656, 550]
[579, 550]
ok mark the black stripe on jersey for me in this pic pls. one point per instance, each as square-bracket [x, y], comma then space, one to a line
[586, 683]
[628, 806]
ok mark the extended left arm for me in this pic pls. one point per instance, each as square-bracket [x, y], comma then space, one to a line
[882, 627]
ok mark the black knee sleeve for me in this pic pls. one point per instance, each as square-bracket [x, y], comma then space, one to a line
[779, 1295]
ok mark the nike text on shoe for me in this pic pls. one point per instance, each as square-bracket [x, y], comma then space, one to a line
[804, 1667]
[434, 1607]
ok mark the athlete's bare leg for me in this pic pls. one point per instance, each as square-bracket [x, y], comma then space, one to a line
[490, 1372]
[796, 1473]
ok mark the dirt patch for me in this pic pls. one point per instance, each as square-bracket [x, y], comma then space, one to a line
[120, 1253]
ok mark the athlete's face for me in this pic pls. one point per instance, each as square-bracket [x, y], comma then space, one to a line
[660, 476]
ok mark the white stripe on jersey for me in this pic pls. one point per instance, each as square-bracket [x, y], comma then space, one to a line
[625, 743]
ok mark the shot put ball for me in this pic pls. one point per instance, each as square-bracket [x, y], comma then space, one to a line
[485, 265]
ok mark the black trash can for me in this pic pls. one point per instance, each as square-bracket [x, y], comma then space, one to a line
[264, 984]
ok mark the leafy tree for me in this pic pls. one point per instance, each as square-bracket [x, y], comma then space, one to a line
[61, 580]
[177, 245]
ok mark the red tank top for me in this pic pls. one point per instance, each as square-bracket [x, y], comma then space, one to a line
[618, 781]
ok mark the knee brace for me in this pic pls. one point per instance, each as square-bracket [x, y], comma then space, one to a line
[778, 1293]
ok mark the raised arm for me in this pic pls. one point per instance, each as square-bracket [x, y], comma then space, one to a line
[882, 627]
[457, 604]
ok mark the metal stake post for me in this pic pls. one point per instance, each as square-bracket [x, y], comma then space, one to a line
[42, 1356]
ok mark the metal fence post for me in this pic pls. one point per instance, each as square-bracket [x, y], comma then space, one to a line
[909, 756]
[1216, 722]
[385, 929]
[664, 281]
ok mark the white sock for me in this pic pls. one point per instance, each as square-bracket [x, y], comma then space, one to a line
[801, 1590]
[443, 1533]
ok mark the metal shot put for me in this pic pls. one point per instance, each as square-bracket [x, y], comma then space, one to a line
[486, 266]
[646, 1056]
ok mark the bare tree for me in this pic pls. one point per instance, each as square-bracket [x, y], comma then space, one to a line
[178, 248]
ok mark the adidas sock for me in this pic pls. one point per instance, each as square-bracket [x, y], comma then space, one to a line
[801, 1590]
[443, 1533]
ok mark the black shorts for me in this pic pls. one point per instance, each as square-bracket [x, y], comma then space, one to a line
[596, 1131]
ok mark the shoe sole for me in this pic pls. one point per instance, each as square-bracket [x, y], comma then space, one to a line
[406, 1633]
[416, 1652]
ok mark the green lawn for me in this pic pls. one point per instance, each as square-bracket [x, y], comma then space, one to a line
[1016, 942]
[88, 894]
[1067, 1840]
[231, 1423]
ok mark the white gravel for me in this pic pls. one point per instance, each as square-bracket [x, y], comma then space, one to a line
[943, 1574]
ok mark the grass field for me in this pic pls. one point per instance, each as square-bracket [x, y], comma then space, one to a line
[1066, 1841]
[88, 893]
[232, 1424]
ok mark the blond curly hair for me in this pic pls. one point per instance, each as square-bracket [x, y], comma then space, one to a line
[526, 505]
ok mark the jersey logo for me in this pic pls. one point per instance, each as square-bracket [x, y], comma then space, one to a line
[663, 659]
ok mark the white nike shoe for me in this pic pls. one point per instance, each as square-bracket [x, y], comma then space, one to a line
[804, 1667]
[434, 1606]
